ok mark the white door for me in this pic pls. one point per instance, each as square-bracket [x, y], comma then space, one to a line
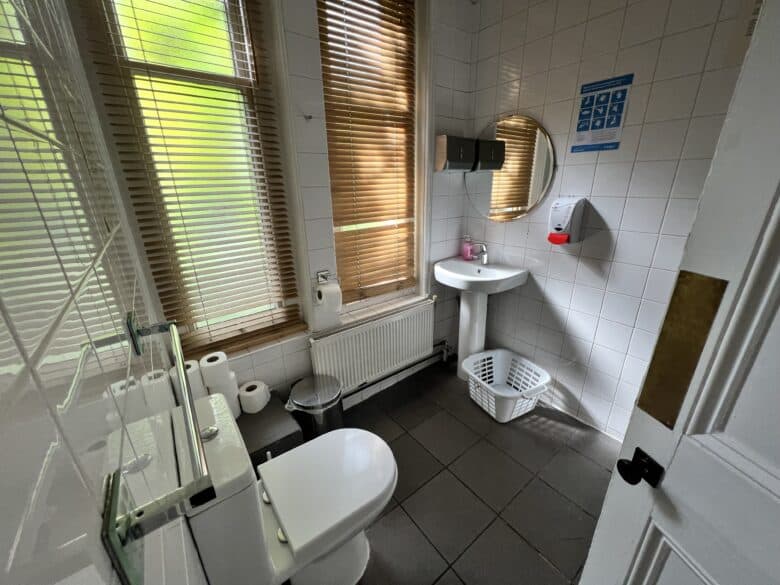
[715, 516]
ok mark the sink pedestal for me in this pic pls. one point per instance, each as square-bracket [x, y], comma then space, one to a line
[475, 282]
[471, 329]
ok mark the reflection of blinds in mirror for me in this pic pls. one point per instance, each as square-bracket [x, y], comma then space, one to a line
[512, 184]
[368, 70]
[192, 112]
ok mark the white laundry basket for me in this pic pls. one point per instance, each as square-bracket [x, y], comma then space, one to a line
[504, 384]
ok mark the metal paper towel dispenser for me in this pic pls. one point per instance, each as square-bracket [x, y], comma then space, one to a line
[454, 153]
[490, 155]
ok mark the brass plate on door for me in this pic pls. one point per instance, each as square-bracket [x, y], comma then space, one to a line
[692, 310]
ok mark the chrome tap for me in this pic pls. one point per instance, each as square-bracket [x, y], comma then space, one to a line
[482, 254]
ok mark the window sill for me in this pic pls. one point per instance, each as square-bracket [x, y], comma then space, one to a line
[365, 310]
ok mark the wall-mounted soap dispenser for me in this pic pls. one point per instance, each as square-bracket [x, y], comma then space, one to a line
[566, 220]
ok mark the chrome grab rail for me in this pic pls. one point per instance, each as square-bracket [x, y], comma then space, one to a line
[200, 468]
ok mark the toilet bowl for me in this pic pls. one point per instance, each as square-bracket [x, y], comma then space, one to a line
[304, 520]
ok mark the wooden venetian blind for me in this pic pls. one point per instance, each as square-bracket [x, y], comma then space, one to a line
[368, 69]
[191, 106]
[512, 184]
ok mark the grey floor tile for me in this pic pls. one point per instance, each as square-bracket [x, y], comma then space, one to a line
[534, 438]
[368, 416]
[579, 479]
[596, 446]
[462, 407]
[444, 436]
[400, 554]
[552, 524]
[449, 578]
[491, 474]
[415, 466]
[449, 514]
[413, 412]
[500, 557]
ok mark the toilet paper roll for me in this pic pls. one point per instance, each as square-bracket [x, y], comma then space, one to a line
[157, 390]
[230, 391]
[327, 306]
[197, 386]
[215, 369]
[254, 396]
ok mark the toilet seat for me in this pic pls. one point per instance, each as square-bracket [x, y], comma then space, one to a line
[329, 489]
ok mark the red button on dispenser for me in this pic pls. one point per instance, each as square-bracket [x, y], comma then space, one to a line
[554, 238]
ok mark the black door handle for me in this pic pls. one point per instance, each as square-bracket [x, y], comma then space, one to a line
[642, 466]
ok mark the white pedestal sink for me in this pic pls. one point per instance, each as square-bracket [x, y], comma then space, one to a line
[475, 281]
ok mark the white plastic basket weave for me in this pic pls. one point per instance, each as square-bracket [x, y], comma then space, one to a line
[504, 384]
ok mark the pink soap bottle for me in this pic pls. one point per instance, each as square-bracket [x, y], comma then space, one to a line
[465, 250]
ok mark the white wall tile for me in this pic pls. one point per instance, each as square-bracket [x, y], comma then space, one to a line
[513, 31]
[679, 217]
[684, 53]
[562, 83]
[660, 284]
[613, 335]
[634, 231]
[489, 41]
[639, 60]
[602, 34]
[587, 300]
[626, 395]
[715, 92]
[303, 56]
[669, 252]
[607, 361]
[634, 370]
[652, 179]
[635, 248]
[642, 344]
[541, 20]
[650, 316]
[592, 273]
[627, 279]
[620, 308]
[643, 214]
[672, 99]
[536, 56]
[567, 46]
[689, 181]
[570, 13]
[612, 179]
[605, 212]
[300, 16]
[662, 140]
[600, 385]
[687, 14]
[644, 22]
[316, 202]
[702, 137]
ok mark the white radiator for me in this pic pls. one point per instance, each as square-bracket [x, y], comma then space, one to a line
[372, 350]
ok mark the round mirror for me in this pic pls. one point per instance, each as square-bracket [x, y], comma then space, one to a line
[528, 168]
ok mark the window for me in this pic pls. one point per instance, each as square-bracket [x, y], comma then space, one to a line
[192, 111]
[368, 70]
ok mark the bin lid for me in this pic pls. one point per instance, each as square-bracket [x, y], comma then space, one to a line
[315, 392]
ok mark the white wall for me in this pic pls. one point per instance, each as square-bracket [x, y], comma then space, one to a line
[453, 36]
[591, 312]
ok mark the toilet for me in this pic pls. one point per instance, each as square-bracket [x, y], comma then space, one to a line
[304, 520]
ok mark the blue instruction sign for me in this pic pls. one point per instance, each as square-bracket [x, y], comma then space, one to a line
[602, 111]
